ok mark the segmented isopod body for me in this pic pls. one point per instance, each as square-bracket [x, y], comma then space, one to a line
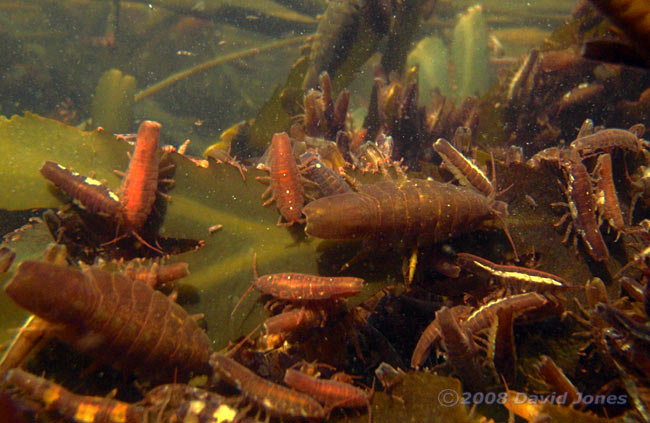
[292, 320]
[274, 398]
[431, 336]
[138, 191]
[551, 155]
[331, 393]
[501, 351]
[114, 319]
[519, 89]
[416, 209]
[286, 186]
[338, 33]
[183, 403]
[582, 208]
[555, 377]
[478, 320]
[328, 180]
[157, 275]
[302, 287]
[483, 316]
[530, 279]
[609, 139]
[466, 172]
[87, 193]
[607, 199]
[76, 408]
[583, 94]
[461, 349]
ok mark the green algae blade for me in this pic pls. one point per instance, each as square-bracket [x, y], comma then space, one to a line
[28, 242]
[202, 197]
[31, 140]
[276, 114]
[418, 398]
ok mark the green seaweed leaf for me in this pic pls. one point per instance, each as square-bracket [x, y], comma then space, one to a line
[276, 114]
[31, 140]
[222, 269]
[418, 398]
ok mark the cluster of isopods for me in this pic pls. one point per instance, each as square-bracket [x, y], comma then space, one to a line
[122, 319]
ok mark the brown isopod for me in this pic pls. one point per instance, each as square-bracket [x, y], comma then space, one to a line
[87, 193]
[416, 209]
[466, 172]
[286, 186]
[606, 198]
[331, 393]
[303, 287]
[582, 208]
[140, 184]
[115, 319]
[275, 399]
[76, 408]
[609, 139]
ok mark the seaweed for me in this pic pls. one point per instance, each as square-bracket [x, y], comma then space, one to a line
[417, 398]
[276, 113]
[202, 197]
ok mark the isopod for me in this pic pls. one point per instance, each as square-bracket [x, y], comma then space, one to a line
[431, 336]
[462, 351]
[555, 377]
[77, 408]
[466, 172]
[606, 198]
[292, 320]
[610, 139]
[157, 275]
[138, 191]
[582, 208]
[113, 318]
[328, 180]
[303, 287]
[531, 279]
[286, 186]
[87, 193]
[274, 398]
[417, 210]
[331, 393]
